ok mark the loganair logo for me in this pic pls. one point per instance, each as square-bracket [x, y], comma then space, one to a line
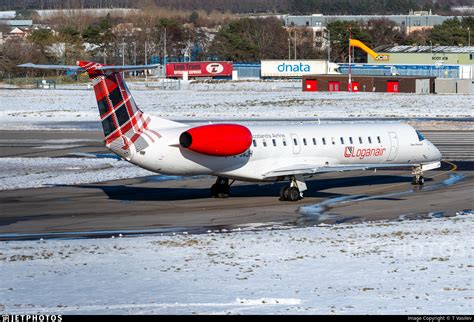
[214, 68]
[352, 152]
[293, 68]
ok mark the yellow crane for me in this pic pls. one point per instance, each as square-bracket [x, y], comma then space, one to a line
[361, 45]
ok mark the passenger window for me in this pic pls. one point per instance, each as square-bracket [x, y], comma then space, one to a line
[254, 143]
[295, 141]
[360, 140]
[274, 142]
[264, 143]
[284, 142]
[304, 141]
[314, 141]
[350, 140]
[324, 141]
[370, 140]
[378, 139]
[342, 140]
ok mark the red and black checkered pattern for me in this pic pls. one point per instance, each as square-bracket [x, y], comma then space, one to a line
[120, 116]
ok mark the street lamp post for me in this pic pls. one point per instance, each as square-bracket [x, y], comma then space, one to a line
[468, 36]
[295, 45]
[123, 56]
[134, 53]
[123, 52]
[289, 48]
[164, 50]
[329, 45]
[146, 62]
[350, 67]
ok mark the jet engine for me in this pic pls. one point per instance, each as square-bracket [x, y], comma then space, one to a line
[217, 139]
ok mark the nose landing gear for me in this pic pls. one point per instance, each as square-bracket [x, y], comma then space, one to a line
[418, 179]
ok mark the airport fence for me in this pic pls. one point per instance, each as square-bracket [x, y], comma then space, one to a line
[32, 82]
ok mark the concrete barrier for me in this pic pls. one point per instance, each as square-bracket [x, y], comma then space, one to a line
[465, 86]
[454, 86]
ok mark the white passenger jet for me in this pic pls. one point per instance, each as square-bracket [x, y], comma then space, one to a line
[247, 153]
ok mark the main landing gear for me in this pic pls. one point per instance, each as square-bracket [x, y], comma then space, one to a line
[418, 179]
[221, 189]
[295, 191]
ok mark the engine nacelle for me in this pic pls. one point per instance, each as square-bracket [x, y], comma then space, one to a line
[217, 139]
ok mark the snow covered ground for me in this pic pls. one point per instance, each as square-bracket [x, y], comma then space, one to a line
[21, 109]
[407, 267]
[20, 173]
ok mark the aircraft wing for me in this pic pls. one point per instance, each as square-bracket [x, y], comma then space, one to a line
[118, 68]
[309, 169]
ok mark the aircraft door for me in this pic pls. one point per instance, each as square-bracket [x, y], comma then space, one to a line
[393, 146]
[295, 141]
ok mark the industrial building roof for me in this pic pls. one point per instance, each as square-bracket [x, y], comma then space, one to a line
[18, 23]
[409, 20]
[7, 14]
[424, 49]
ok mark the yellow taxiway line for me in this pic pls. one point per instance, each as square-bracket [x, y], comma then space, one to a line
[454, 168]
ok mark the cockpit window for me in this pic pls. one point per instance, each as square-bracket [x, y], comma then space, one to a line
[420, 136]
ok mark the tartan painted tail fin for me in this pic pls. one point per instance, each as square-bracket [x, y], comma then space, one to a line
[124, 124]
[127, 130]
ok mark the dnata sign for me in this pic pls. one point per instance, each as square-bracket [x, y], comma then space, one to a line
[292, 68]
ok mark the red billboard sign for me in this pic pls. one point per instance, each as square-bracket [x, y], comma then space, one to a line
[200, 69]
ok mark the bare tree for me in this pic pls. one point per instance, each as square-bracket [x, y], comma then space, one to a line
[384, 32]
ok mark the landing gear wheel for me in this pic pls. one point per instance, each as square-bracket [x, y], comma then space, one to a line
[283, 193]
[214, 190]
[418, 181]
[294, 191]
[289, 194]
[220, 189]
[293, 194]
[224, 192]
[286, 193]
[421, 181]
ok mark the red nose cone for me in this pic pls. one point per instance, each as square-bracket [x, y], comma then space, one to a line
[217, 139]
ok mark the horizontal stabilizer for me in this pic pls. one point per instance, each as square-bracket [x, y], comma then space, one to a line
[81, 69]
[52, 67]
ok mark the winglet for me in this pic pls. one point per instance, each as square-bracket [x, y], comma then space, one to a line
[91, 68]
